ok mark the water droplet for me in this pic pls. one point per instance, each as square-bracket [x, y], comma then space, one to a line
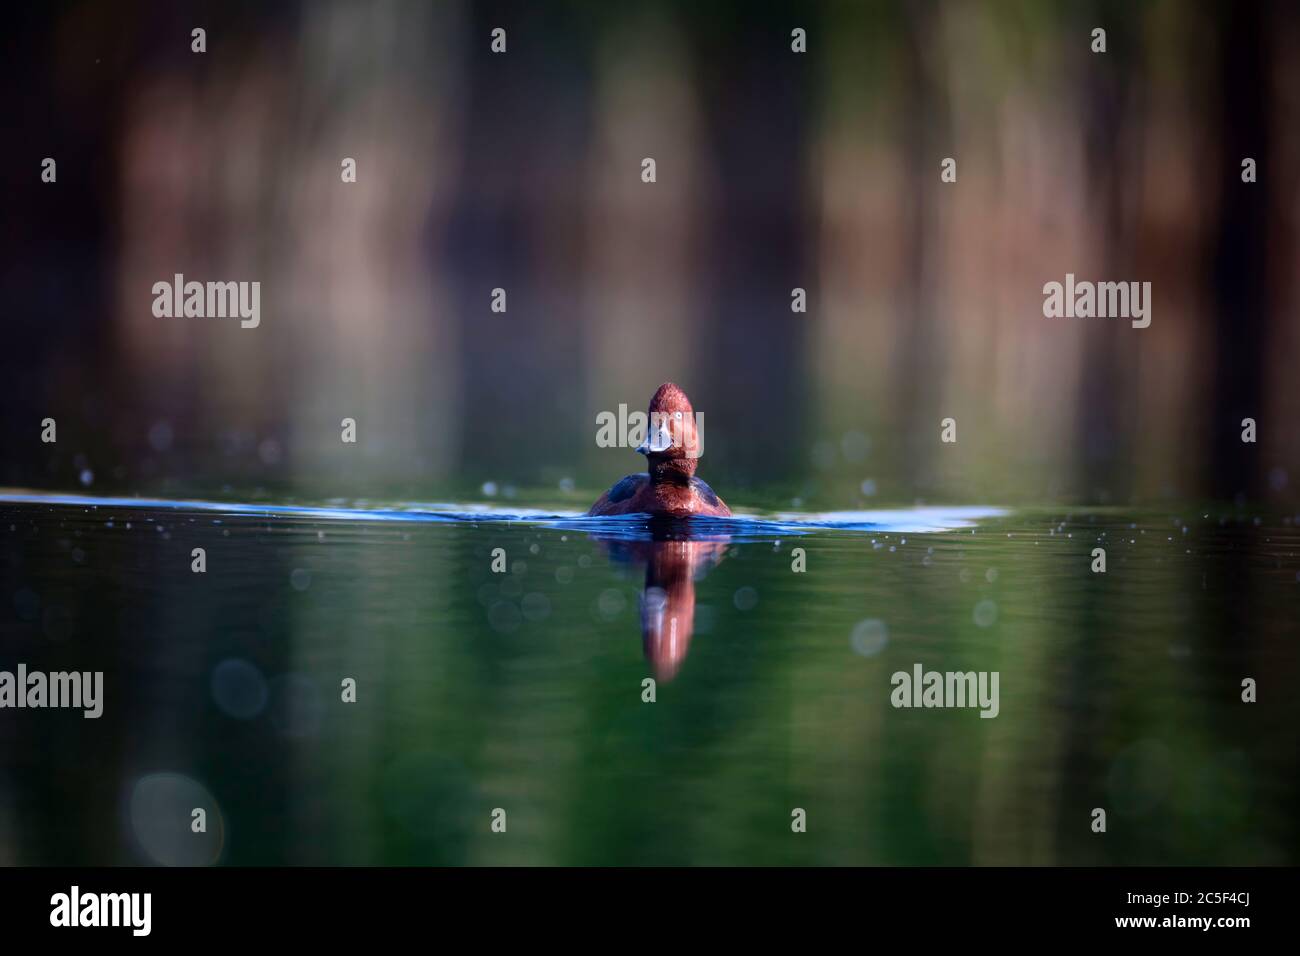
[869, 637]
[536, 606]
[986, 613]
[745, 599]
[239, 689]
[160, 815]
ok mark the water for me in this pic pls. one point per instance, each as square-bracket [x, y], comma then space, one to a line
[523, 690]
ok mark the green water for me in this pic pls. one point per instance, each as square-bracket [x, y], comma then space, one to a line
[523, 691]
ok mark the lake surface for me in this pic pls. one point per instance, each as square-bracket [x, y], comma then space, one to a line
[522, 690]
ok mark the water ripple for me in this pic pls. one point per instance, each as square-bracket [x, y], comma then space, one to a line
[628, 527]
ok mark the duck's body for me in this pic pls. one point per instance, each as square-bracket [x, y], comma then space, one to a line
[672, 449]
[637, 494]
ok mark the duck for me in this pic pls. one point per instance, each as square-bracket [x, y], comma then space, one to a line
[669, 488]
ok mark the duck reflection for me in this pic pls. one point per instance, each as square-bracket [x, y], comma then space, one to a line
[674, 559]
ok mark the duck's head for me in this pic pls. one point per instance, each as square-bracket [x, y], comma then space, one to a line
[673, 442]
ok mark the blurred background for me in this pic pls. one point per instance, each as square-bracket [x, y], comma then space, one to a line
[775, 170]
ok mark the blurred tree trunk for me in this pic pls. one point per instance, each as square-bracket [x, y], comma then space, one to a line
[1112, 151]
[762, 235]
[517, 225]
[1240, 281]
[926, 139]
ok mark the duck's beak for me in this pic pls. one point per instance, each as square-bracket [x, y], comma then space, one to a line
[658, 438]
